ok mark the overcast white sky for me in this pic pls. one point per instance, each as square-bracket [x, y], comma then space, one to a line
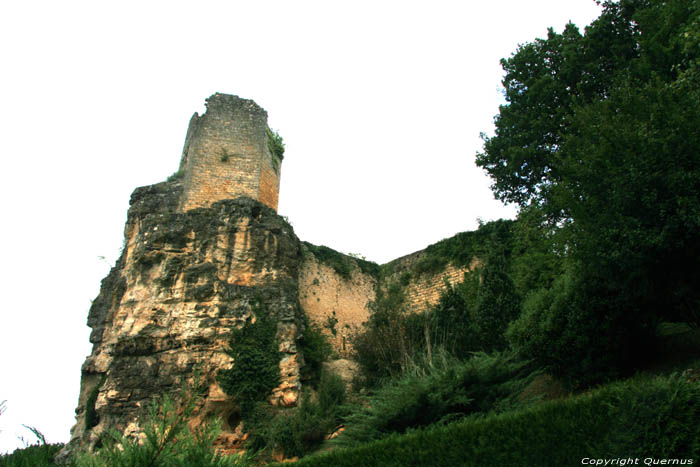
[380, 104]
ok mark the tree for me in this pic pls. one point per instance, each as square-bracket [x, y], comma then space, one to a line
[497, 303]
[599, 135]
[543, 81]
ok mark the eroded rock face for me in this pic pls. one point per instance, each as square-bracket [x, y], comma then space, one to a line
[183, 281]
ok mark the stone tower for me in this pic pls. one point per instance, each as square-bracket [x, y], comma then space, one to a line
[228, 154]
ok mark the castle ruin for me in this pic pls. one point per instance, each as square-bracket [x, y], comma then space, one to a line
[228, 153]
[203, 254]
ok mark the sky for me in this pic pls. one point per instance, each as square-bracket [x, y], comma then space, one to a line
[380, 104]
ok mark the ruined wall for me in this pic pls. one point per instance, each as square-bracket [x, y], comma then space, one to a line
[339, 303]
[336, 303]
[269, 189]
[422, 289]
[226, 155]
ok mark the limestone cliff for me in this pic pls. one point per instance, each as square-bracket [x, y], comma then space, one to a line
[183, 281]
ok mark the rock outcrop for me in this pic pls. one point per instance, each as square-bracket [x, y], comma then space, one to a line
[183, 282]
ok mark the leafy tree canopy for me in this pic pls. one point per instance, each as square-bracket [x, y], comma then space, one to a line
[548, 81]
[600, 134]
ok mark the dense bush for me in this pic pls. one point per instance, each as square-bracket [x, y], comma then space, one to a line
[316, 349]
[579, 331]
[384, 345]
[444, 389]
[300, 430]
[37, 455]
[644, 418]
[166, 441]
[497, 303]
[255, 351]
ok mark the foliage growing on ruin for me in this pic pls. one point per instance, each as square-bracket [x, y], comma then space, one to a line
[275, 143]
[167, 440]
[461, 249]
[389, 339]
[255, 351]
[176, 175]
[316, 349]
[300, 430]
[340, 263]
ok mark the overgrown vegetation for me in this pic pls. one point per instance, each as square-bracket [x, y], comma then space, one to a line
[437, 390]
[461, 249]
[37, 454]
[176, 175]
[40, 453]
[470, 316]
[644, 418]
[275, 143]
[341, 264]
[166, 441]
[299, 430]
[316, 349]
[91, 418]
[598, 146]
[255, 351]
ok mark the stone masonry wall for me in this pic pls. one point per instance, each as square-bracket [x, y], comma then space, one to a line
[423, 290]
[269, 189]
[325, 297]
[226, 155]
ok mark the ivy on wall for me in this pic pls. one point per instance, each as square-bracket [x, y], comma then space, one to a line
[255, 351]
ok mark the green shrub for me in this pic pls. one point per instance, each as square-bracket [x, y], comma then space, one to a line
[36, 455]
[451, 390]
[497, 303]
[167, 440]
[300, 430]
[275, 143]
[341, 264]
[176, 176]
[654, 418]
[389, 339]
[581, 331]
[331, 392]
[255, 370]
[450, 321]
[316, 349]
[91, 418]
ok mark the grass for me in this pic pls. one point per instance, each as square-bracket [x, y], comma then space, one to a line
[644, 417]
